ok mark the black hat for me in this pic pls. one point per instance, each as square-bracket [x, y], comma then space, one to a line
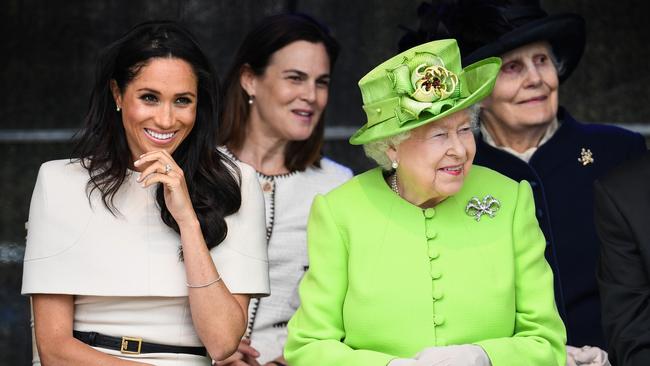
[485, 28]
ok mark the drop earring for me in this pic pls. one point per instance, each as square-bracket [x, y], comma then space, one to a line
[117, 108]
[251, 99]
[395, 164]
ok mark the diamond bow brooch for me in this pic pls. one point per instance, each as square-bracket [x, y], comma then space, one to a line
[476, 208]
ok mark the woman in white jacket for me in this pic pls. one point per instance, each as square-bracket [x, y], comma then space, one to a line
[276, 92]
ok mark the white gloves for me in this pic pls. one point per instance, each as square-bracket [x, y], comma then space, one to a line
[587, 356]
[403, 362]
[461, 355]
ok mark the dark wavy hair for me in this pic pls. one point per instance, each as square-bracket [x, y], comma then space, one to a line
[269, 35]
[212, 179]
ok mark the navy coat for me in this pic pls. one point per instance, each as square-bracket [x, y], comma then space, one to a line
[563, 190]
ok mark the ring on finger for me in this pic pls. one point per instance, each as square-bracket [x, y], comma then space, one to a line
[168, 168]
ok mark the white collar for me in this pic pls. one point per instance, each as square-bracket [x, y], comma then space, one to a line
[526, 155]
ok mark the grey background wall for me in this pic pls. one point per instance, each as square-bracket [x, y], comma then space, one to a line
[49, 49]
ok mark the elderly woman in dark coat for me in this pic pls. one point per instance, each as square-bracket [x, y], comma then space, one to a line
[524, 134]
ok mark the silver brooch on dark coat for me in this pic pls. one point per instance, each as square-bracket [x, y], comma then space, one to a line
[477, 208]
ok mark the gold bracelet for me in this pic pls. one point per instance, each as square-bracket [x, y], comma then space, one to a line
[206, 285]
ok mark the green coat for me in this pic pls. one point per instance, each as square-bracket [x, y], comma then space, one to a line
[388, 279]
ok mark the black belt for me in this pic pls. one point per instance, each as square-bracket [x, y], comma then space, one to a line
[132, 345]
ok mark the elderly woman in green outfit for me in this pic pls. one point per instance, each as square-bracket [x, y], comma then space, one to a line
[426, 260]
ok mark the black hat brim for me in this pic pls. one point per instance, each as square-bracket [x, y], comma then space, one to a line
[565, 33]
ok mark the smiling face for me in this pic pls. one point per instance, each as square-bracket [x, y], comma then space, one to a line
[158, 105]
[289, 97]
[435, 159]
[526, 91]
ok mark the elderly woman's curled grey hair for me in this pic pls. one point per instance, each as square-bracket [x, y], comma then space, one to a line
[376, 150]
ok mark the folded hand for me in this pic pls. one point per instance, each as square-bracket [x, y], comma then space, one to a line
[246, 355]
[586, 356]
[459, 355]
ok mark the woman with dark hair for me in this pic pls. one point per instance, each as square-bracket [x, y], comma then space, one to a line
[149, 245]
[276, 91]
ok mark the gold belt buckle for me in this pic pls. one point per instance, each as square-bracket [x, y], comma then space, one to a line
[124, 347]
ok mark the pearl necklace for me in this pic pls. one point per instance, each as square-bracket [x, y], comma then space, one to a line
[393, 183]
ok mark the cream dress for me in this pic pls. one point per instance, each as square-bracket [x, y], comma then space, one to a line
[124, 269]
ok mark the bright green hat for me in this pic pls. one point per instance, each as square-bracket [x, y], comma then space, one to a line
[421, 85]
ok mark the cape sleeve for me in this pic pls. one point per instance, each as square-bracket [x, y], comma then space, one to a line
[74, 247]
[50, 230]
[242, 258]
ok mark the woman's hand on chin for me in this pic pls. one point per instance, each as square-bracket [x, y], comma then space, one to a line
[160, 167]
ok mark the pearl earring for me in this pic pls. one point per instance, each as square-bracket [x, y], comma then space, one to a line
[251, 99]
[395, 164]
[118, 108]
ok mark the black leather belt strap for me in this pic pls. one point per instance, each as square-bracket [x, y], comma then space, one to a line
[132, 345]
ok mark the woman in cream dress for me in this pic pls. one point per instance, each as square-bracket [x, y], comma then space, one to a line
[148, 247]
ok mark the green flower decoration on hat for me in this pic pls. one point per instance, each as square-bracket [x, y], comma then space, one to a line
[433, 83]
[419, 86]
[424, 82]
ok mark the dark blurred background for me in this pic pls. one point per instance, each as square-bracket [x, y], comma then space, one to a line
[50, 47]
